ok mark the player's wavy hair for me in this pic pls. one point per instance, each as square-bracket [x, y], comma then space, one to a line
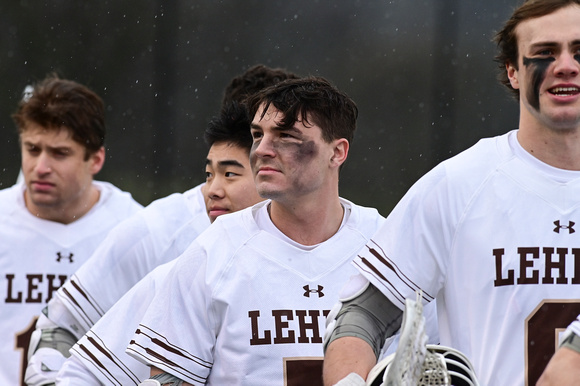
[310, 98]
[60, 104]
[507, 40]
[231, 126]
[254, 79]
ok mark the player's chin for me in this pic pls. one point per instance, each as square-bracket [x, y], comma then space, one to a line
[43, 199]
[269, 192]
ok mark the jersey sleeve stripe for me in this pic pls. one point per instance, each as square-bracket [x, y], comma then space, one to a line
[154, 349]
[381, 267]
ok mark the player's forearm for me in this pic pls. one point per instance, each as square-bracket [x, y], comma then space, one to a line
[562, 370]
[347, 355]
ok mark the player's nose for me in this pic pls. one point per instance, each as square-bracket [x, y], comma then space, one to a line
[264, 147]
[215, 189]
[43, 164]
[567, 64]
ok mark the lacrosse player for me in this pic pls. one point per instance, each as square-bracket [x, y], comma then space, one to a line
[490, 233]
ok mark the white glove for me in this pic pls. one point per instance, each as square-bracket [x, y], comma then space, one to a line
[43, 367]
[352, 379]
[150, 382]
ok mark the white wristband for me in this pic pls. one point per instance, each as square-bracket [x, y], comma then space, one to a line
[352, 379]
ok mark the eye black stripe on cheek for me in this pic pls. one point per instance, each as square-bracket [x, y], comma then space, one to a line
[538, 66]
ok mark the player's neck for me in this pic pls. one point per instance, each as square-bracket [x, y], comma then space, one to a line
[308, 224]
[65, 214]
[557, 148]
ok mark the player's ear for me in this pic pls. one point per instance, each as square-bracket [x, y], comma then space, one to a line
[340, 152]
[97, 160]
[512, 73]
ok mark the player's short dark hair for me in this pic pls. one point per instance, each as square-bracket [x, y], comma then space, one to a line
[506, 38]
[310, 98]
[60, 104]
[232, 125]
[253, 80]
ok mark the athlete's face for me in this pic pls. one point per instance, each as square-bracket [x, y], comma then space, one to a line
[56, 173]
[288, 162]
[229, 183]
[548, 68]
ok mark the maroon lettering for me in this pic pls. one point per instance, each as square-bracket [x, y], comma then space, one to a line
[33, 289]
[285, 333]
[559, 265]
[304, 326]
[33, 286]
[51, 287]
[282, 325]
[576, 278]
[550, 263]
[9, 296]
[256, 340]
[525, 263]
[23, 344]
[499, 280]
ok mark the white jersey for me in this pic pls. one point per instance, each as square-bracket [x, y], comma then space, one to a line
[36, 258]
[491, 234]
[244, 306]
[157, 234]
[99, 357]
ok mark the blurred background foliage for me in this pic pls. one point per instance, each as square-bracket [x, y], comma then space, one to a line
[422, 73]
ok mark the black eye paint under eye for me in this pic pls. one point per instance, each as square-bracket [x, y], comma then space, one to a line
[538, 66]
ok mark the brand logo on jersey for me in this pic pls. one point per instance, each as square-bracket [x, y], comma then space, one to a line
[60, 256]
[569, 227]
[308, 291]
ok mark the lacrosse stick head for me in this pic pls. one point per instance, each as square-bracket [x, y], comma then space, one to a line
[405, 365]
[417, 364]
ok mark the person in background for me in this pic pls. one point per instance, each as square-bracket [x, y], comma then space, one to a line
[55, 217]
[99, 357]
[154, 236]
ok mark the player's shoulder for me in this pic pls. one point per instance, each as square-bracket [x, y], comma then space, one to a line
[466, 171]
[485, 155]
[230, 231]
[365, 219]
[237, 226]
[118, 203]
[9, 199]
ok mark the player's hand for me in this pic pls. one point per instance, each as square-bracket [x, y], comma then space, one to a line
[43, 367]
[562, 370]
